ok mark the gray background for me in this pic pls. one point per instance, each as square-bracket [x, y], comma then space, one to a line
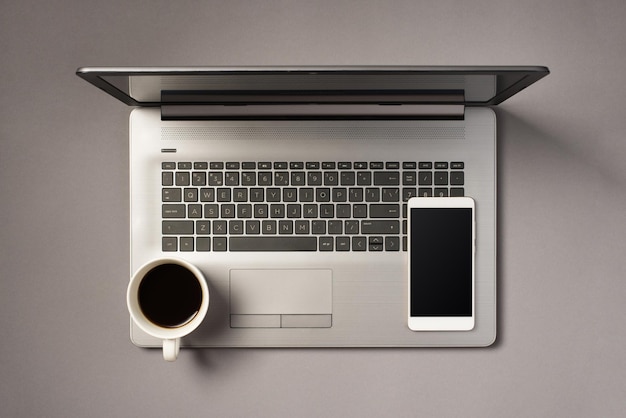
[64, 251]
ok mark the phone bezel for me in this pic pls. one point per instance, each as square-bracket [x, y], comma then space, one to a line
[441, 323]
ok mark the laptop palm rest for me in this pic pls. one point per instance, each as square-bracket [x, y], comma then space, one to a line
[281, 298]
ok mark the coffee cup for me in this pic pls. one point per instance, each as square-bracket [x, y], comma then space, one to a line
[168, 299]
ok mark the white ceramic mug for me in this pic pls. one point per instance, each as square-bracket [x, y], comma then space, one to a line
[168, 298]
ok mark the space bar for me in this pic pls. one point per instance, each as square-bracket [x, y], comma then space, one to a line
[273, 244]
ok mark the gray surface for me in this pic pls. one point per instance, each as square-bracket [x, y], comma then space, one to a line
[63, 198]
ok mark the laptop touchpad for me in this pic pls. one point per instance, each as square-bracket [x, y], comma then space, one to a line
[281, 298]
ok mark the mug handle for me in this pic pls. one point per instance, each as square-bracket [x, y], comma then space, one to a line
[171, 348]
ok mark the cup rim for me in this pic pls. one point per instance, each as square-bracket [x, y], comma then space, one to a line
[132, 300]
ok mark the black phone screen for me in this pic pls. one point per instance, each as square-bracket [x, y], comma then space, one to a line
[441, 262]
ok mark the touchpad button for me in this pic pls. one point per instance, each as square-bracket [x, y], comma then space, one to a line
[287, 293]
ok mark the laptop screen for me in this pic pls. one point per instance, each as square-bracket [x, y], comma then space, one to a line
[320, 85]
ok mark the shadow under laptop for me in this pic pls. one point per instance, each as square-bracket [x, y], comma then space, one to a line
[539, 170]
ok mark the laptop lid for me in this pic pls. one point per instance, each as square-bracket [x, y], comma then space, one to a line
[178, 87]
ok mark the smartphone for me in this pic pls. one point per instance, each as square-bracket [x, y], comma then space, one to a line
[441, 237]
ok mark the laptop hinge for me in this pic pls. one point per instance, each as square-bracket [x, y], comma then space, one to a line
[313, 112]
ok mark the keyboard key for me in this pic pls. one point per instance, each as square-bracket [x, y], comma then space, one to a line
[335, 227]
[177, 227]
[340, 194]
[425, 178]
[380, 227]
[359, 243]
[253, 227]
[342, 243]
[359, 211]
[457, 165]
[167, 178]
[348, 178]
[391, 194]
[182, 178]
[235, 227]
[211, 210]
[425, 192]
[219, 244]
[194, 211]
[298, 178]
[203, 244]
[408, 192]
[441, 192]
[277, 243]
[314, 178]
[169, 244]
[326, 243]
[198, 179]
[457, 192]
[386, 178]
[171, 195]
[202, 228]
[457, 178]
[372, 194]
[216, 178]
[191, 195]
[302, 227]
[364, 178]
[207, 195]
[318, 227]
[232, 178]
[219, 227]
[384, 211]
[216, 165]
[268, 227]
[331, 178]
[409, 178]
[285, 227]
[441, 178]
[351, 227]
[392, 243]
[248, 178]
[265, 178]
[281, 178]
[186, 244]
[173, 211]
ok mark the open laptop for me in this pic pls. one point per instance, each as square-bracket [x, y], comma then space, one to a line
[287, 187]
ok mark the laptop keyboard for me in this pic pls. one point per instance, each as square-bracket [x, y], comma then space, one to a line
[296, 206]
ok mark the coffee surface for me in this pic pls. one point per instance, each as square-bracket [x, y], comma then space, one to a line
[170, 295]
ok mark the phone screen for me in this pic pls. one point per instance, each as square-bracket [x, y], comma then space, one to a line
[441, 265]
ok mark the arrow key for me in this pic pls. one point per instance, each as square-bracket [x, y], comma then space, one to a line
[392, 243]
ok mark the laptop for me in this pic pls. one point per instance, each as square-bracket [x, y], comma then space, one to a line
[287, 187]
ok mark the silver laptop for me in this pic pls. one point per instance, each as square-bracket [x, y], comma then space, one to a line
[287, 187]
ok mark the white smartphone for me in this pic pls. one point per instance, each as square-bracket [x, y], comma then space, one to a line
[441, 251]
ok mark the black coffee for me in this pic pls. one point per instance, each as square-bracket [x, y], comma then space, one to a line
[170, 295]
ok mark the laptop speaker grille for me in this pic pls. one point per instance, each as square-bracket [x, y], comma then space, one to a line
[311, 133]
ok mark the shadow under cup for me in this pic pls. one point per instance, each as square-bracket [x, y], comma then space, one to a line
[170, 296]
